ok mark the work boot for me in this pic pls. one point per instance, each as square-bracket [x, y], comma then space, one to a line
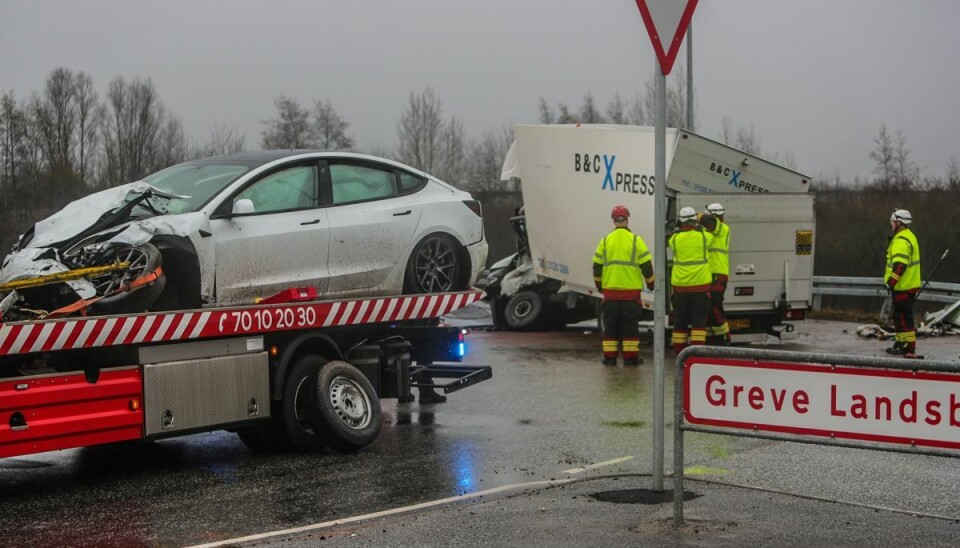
[898, 349]
[632, 362]
[429, 396]
[405, 399]
[609, 362]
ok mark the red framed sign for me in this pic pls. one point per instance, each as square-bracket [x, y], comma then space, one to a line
[918, 408]
[666, 22]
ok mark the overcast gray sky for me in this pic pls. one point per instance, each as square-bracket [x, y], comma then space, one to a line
[814, 77]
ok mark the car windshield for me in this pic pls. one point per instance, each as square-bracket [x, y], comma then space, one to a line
[197, 183]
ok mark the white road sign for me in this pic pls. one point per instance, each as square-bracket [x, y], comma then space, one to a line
[877, 405]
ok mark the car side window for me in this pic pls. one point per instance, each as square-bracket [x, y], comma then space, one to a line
[356, 183]
[291, 188]
[410, 183]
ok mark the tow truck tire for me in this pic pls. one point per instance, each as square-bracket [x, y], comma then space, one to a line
[299, 402]
[524, 310]
[266, 437]
[347, 413]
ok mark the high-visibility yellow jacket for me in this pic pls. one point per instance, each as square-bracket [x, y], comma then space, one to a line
[720, 250]
[691, 266]
[904, 249]
[623, 261]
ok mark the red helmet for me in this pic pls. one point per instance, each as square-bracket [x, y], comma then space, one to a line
[619, 211]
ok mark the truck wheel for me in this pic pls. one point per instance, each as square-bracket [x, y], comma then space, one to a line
[269, 435]
[523, 310]
[299, 401]
[347, 412]
[264, 437]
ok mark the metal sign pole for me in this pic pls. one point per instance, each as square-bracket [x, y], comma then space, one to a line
[690, 77]
[660, 268]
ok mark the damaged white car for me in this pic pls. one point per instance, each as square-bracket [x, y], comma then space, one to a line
[230, 229]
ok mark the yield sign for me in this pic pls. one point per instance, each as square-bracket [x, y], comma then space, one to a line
[666, 19]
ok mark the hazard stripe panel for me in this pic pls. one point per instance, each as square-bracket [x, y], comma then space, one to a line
[804, 242]
[76, 333]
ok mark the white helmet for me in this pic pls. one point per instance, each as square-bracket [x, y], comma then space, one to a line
[715, 209]
[687, 214]
[901, 215]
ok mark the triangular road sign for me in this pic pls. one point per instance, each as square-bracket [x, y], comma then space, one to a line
[667, 22]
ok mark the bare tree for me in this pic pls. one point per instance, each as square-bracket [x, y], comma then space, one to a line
[486, 159]
[135, 127]
[290, 129]
[726, 131]
[13, 143]
[89, 115]
[588, 111]
[565, 116]
[636, 114]
[382, 151]
[546, 112]
[883, 155]
[55, 116]
[329, 128]
[222, 140]
[786, 159]
[453, 153]
[172, 145]
[748, 140]
[953, 175]
[906, 172]
[676, 96]
[420, 131]
[617, 110]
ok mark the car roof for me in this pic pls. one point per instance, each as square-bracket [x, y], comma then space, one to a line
[256, 159]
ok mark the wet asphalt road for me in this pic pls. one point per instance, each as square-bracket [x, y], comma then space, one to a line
[550, 407]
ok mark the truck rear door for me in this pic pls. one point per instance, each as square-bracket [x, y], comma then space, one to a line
[771, 248]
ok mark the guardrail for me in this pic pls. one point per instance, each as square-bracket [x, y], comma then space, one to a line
[873, 287]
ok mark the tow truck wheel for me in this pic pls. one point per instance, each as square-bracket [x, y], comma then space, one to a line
[347, 412]
[299, 402]
[266, 436]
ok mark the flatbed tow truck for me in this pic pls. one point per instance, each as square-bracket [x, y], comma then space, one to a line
[289, 373]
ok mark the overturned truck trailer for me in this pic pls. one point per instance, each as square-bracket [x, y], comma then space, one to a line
[572, 175]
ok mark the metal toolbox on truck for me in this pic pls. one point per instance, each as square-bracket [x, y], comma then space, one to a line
[207, 383]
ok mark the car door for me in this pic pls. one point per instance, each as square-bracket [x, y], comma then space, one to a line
[282, 243]
[373, 219]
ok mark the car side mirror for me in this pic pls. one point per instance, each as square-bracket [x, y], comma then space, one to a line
[242, 206]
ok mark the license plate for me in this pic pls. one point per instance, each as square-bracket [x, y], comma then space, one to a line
[741, 323]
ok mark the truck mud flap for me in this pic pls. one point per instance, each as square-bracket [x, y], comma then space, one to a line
[460, 376]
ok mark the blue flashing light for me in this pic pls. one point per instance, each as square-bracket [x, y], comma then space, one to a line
[463, 350]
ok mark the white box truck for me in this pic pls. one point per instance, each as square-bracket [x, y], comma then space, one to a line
[571, 176]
